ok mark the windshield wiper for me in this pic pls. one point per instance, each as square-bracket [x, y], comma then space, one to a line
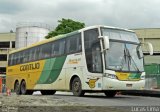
[124, 59]
[131, 59]
[127, 58]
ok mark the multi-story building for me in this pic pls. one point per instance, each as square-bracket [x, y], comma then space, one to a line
[26, 34]
[151, 35]
[7, 43]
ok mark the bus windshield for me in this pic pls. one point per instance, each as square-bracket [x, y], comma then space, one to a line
[123, 57]
[122, 54]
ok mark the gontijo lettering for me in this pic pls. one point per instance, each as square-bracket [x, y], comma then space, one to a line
[28, 67]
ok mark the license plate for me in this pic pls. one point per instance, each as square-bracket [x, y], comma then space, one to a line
[128, 85]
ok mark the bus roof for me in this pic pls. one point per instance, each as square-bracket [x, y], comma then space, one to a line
[66, 35]
[110, 27]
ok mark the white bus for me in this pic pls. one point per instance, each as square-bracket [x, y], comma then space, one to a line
[93, 59]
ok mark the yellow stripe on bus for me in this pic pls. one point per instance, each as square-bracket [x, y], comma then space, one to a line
[30, 72]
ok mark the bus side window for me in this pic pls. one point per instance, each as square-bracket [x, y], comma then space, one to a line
[96, 58]
[79, 43]
[37, 53]
[73, 43]
[46, 50]
[10, 59]
[25, 54]
[91, 38]
[62, 47]
[18, 58]
[52, 51]
[31, 54]
[40, 52]
[55, 49]
[14, 59]
[34, 54]
[21, 57]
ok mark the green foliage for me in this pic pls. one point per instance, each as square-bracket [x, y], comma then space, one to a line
[65, 26]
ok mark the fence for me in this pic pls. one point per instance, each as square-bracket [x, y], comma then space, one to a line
[152, 76]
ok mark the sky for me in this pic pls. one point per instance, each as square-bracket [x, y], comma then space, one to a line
[119, 13]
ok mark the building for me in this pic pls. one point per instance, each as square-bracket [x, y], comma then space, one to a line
[151, 35]
[7, 43]
[26, 34]
[29, 33]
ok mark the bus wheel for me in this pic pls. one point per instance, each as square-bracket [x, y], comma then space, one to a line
[23, 88]
[48, 92]
[110, 93]
[17, 88]
[77, 87]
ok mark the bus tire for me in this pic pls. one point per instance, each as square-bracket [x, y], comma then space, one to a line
[17, 88]
[23, 87]
[77, 87]
[110, 93]
[48, 92]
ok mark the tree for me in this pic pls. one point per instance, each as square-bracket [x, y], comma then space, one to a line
[65, 26]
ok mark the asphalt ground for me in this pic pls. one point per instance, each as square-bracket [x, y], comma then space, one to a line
[66, 102]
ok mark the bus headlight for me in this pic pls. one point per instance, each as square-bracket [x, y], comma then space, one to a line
[112, 76]
[142, 77]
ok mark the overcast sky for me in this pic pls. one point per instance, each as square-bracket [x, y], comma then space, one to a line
[121, 13]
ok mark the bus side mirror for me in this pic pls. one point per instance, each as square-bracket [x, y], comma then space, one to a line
[105, 40]
[139, 52]
[149, 47]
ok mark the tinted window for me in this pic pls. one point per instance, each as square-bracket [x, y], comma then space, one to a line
[58, 48]
[37, 53]
[10, 61]
[45, 50]
[92, 50]
[17, 58]
[31, 54]
[26, 56]
[14, 59]
[90, 37]
[74, 43]
[52, 49]
[21, 57]
[120, 35]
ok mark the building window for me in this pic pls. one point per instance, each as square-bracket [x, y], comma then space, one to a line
[3, 57]
[2, 70]
[4, 44]
[13, 44]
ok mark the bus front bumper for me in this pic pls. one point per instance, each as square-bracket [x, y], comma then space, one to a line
[114, 84]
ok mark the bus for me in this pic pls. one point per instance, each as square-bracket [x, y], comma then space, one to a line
[93, 59]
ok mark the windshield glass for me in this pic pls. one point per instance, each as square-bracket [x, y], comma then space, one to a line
[123, 57]
[122, 54]
[120, 35]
